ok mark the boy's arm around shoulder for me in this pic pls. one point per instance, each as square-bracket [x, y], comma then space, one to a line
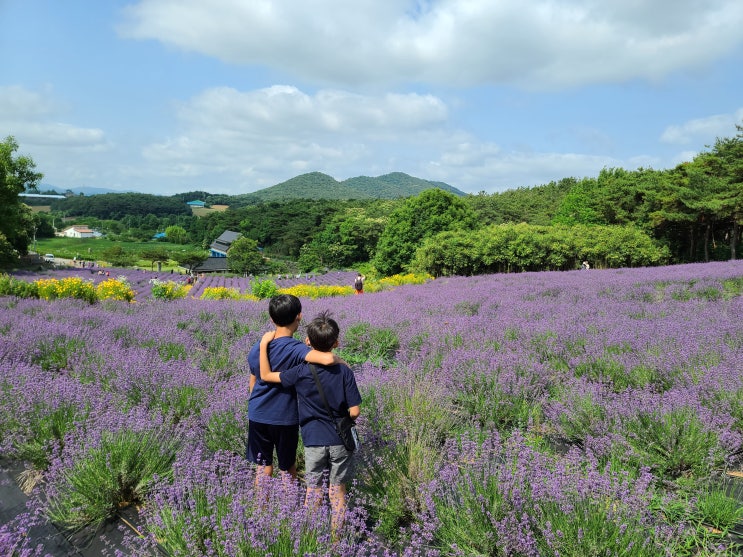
[266, 374]
[322, 358]
[352, 394]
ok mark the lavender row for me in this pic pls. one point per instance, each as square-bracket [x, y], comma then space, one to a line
[140, 280]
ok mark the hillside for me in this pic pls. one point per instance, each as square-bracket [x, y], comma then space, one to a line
[313, 185]
[396, 184]
[316, 185]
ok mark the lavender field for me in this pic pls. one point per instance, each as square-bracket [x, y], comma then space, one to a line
[568, 414]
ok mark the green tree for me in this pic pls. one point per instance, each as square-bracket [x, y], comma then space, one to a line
[119, 257]
[8, 255]
[189, 259]
[579, 205]
[535, 205]
[349, 238]
[419, 217]
[155, 255]
[118, 205]
[525, 247]
[16, 176]
[727, 158]
[243, 256]
[176, 234]
[310, 259]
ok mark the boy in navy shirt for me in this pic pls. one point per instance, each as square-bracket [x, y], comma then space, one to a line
[324, 449]
[272, 409]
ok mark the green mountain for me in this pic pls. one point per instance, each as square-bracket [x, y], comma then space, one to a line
[316, 185]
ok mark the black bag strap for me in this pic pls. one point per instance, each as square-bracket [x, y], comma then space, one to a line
[313, 369]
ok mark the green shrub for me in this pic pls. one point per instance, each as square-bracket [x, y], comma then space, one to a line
[46, 426]
[226, 431]
[490, 404]
[585, 416]
[220, 293]
[364, 343]
[716, 508]
[732, 287]
[392, 480]
[263, 289]
[55, 355]
[11, 286]
[168, 289]
[595, 526]
[116, 473]
[672, 444]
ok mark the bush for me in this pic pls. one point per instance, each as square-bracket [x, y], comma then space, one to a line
[11, 286]
[524, 247]
[672, 444]
[168, 289]
[46, 426]
[220, 293]
[115, 289]
[263, 289]
[364, 343]
[315, 291]
[70, 287]
[113, 474]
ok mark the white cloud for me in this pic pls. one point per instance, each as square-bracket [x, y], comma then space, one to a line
[67, 155]
[284, 110]
[704, 130]
[18, 104]
[477, 167]
[542, 44]
[247, 139]
[31, 117]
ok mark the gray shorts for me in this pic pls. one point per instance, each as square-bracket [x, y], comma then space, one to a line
[335, 458]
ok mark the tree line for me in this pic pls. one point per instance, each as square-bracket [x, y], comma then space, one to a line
[692, 212]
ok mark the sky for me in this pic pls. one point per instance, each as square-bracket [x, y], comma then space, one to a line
[233, 96]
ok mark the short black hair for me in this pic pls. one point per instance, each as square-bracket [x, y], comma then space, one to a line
[323, 332]
[284, 309]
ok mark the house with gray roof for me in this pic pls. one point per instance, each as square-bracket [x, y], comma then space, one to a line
[220, 246]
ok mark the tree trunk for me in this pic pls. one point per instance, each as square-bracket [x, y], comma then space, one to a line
[734, 237]
[692, 247]
[706, 243]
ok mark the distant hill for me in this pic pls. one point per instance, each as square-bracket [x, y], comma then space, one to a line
[316, 185]
[85, 190]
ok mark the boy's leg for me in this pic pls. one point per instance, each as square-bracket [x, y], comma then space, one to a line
[316, 461]
[260, 447]
[287, 439]
[337, 496]
[341, 473]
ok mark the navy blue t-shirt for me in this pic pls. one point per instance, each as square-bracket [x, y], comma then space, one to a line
[272, 403]
[341, 391]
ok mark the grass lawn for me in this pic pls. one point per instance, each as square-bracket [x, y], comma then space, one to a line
[91, 249]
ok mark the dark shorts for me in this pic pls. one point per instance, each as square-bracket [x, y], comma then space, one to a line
[264, 438]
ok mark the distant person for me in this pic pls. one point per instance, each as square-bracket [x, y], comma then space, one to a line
[358, 284]
[273, 420]
[585, 266]
[324, 451]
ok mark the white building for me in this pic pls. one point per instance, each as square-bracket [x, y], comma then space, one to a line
[79, 231]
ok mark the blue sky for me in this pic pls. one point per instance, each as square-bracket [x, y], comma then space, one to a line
[232, 96]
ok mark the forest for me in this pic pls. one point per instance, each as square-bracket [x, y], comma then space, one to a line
[689, 213]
